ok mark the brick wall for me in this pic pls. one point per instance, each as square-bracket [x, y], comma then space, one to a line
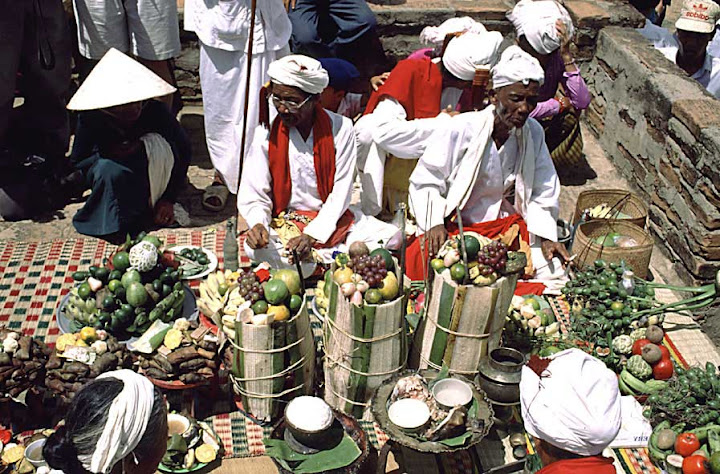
[662, 131]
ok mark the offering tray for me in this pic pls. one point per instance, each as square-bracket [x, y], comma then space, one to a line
[351, 427]
[379, 409]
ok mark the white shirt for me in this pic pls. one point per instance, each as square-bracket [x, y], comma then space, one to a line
[351, 105]
[714, 46]
[254, 201]
[225, 24]
[460, 169]
[660, 37]
[708, 75]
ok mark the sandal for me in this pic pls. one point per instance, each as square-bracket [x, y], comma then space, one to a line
[214, 197]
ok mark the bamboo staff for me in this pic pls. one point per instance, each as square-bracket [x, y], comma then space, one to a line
[251, 40]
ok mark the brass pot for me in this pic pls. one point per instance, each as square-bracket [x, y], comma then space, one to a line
[499, 375]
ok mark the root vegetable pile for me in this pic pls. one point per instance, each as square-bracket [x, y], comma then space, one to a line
[22, 363]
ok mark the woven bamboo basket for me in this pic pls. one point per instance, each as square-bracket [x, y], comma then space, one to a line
[618, 199]
[273, 364]
[364, 345]
[462, 324]
[587, 250]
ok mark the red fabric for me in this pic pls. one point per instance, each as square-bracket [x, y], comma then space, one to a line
[341, 230]
[414, 260]
[586, 465]
[416, 84]
[324, 157]
[524, 288]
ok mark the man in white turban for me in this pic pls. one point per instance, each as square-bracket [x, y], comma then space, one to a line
[417, 97]
[544, 30]
[570, 405]
[297, 181]
[492, 167]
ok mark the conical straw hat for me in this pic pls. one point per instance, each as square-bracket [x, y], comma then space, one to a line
[118, 79]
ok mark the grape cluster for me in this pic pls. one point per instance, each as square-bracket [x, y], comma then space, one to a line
[250, 287]
[493, 257]
[370, 268]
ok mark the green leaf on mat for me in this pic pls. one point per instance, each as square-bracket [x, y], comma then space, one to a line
[457, 440]
[338, 457]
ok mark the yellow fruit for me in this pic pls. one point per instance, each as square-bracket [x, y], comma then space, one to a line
[343, 275]
[13, 454]
[81, 343]
[389, 288]
[88, 334]
[205, 453]
[279, 312]
[64, 341]
[173, 339]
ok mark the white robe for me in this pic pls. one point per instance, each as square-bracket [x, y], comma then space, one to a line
[255, 203]
[388, 131]
[708, 75]
[459, 155]
[461, 166]
[223, 28]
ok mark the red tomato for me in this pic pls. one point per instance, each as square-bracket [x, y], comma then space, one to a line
[638, 345]
[686, 444]
[664, 351]
[5, 436]
[695, 464]
[663, 370]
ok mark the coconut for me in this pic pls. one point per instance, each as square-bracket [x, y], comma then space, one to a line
[358, 249]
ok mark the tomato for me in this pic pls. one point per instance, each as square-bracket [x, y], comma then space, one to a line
[695, 464]
[5, 436]
[665, 352]
[663, 370]
[686, 444]
[638, 345]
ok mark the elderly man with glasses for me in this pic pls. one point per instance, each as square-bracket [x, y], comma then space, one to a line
[301, 170]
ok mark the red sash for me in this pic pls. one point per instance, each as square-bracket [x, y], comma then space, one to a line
[324, 157]
[415, 260]
[587, 465]
[416, 84]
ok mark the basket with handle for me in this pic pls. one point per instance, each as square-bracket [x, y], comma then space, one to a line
[620, 201]
[588, 250]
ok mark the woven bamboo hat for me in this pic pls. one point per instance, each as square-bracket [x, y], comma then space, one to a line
[116, 80]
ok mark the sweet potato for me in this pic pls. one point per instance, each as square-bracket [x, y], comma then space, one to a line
[191, 378]
[182, 355]
[205, 353]
[205, 371]
[105, 363]
[54, 362]
[156, 374]
[5, 359]
[24, 345]
[163, 363]
[77, 368]
[192, 364]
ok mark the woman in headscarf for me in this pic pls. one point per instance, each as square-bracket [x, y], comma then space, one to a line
[117, 423]
[544, 30]
[131, 149]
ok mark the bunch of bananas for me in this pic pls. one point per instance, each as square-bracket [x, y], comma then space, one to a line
[216, 292]
[321, 299]
[601, 211]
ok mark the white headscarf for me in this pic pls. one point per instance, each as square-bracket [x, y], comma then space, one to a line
[299, 71]
[516, 65]
[126, 424]
[435, 35]
[536, 20]
[471, 51]
[575, 406]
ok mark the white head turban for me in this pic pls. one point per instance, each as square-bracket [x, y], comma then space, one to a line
[299, 71]
[127, 420]
[435, 35]
[536, 20]
[471, 51]
[575, 406]
[516, 65]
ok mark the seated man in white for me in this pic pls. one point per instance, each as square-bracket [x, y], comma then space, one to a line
[417, 97]
[301, 170]
[494, 167]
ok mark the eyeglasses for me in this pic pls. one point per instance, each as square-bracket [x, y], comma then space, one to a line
[290, 105]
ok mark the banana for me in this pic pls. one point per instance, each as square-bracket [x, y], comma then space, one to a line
[229, 333]
[220, 276]
[655, 386]
[228, 321]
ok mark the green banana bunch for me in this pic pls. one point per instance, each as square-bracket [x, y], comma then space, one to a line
[631, 385]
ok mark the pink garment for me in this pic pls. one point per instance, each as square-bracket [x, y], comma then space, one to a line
[422, 53]
[572, 82]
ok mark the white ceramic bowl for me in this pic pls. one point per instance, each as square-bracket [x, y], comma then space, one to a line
[451, 392]
[33, 453]
[409, 414]
[177, 420]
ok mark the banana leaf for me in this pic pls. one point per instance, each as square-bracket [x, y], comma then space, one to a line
[344, 454]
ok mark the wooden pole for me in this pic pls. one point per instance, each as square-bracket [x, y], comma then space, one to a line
[251, 39]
